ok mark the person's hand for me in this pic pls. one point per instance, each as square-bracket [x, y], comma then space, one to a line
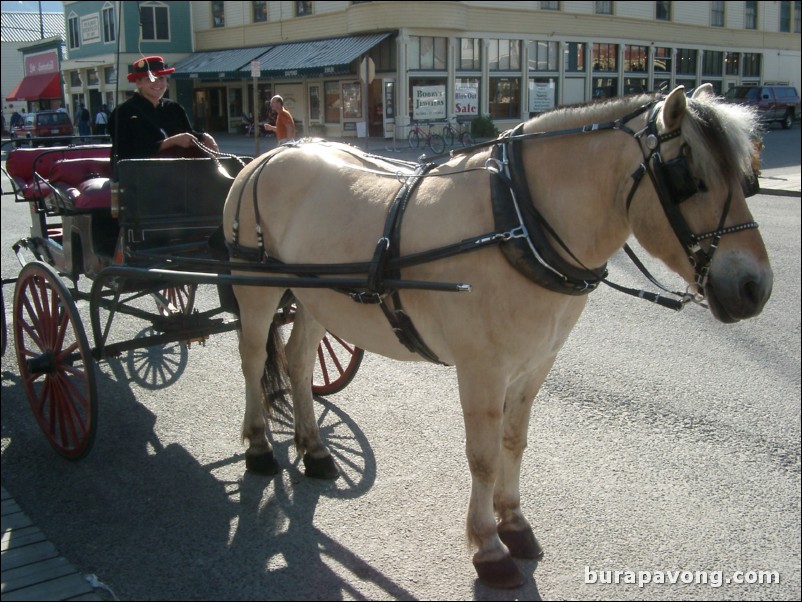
[209, 142]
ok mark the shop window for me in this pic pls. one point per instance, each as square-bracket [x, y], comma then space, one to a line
[427, 99]
[314, 103]
[466, 97]
[575, 57]
[505, 97]
[732, 63]
[331, 91]
[636, 85]
[605, 87]
[662, 60]
[636, 58]
[751, 64]
[605, 57]
[469, 54]
[426, 52]
[712, 63]
[504, 55]
[542, 95]
[543, 56]
[686, 61]
[352, 100]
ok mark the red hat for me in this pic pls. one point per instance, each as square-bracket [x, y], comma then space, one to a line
[149, 64]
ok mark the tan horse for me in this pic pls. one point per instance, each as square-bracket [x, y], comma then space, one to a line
[579, 190]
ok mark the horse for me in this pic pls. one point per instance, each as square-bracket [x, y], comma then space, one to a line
[527, 222]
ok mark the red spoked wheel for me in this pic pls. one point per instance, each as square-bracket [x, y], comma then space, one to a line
[176, 299]
[337, 360]
[55, 360]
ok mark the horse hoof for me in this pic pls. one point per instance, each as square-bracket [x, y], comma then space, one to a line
[522, 544]
[501, 573]
[264, 464]
[320, 468]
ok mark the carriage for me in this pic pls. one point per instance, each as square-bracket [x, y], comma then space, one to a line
[525, 223]
[138, 248]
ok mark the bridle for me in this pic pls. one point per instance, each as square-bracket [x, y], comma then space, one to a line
[674, 183]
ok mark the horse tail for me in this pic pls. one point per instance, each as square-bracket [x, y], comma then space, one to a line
[275, 378]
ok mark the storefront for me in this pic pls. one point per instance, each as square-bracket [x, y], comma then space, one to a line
[41, 87]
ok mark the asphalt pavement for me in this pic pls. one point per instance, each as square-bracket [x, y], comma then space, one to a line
[32, 568]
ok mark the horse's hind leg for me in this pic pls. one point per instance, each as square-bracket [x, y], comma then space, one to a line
[513, 529]
[257, 308]
[301, 355]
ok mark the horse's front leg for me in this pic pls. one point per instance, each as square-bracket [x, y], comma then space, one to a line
[482, 396]
[301, 356]
[257, 308]
[513, 528]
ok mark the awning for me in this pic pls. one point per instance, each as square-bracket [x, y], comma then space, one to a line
[332, 56]
[218, 64]
[36, 87]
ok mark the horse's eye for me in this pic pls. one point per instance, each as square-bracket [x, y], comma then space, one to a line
[700, 184]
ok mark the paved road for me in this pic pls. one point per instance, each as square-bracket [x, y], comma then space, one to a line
[660, 442]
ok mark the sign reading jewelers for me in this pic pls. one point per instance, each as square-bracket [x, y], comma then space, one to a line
[428, 103]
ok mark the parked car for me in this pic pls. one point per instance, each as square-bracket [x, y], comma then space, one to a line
[773, 103]
[44, 124]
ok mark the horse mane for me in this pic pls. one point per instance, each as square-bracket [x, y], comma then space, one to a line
[721, 135]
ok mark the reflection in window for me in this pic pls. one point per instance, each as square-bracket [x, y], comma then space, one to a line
[352, 101]
[662, 60]
[543, 56]
[505, 97]
[426, 52]
[259, 11]
[605, 57]
[751, 64]
[504, 55]
[712, 63]
[469, 58]
[636, 58]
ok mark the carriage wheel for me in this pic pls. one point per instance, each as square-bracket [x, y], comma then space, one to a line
[437, 143]
[176, 300]
[337, 360]
[55, 360]
[414, 139]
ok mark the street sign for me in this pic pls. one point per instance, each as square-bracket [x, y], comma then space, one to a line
[256, 68]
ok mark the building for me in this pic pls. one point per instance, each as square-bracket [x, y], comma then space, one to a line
[31, 49]
[346, 68]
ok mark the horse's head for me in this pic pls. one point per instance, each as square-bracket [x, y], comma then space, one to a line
[699, 154]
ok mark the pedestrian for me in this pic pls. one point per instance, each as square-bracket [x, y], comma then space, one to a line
[83, 119]
[101, 121]
[61, 108]
[285, 125]
[146, 124]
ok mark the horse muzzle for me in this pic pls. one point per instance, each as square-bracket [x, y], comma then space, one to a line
[737, 294]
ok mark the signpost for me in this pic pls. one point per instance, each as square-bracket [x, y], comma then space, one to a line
[256, 72]
[367, 72]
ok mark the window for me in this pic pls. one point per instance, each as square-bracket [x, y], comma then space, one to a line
[74, 33]
[218, 14]
[75, 79]
[686, 61]
[750, 16]
[717, 14]
[731, 63]
[352, 100]
[636, 58]
[303, 8]
[604, 8]
[259, 11]
[155, 21]
[549, 6]
[712, 63]
[797, 9]
[635, 85]
[108, 24]
[575, 56]
[110, 75]
[751, 64]
[384, 55]
[469, 54]
[314, 103]
[466, 96]
[543, 56]
[605, 57]
[426, 52]
[785, 16]
[505, 97]
[504, 55]
[663, 10]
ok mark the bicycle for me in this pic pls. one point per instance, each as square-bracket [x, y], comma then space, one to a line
[463, 134]
[433, 141]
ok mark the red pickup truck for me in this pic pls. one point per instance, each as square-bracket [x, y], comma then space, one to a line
[773, 103]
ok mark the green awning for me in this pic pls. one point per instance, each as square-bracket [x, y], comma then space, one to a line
[219, 64]
[330, 56]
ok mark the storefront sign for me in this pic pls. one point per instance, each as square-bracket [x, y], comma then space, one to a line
[45, 62]
[541, 96]
[428, 103]
[466, 98]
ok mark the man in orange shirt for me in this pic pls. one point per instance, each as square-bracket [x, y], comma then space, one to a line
[285, 125]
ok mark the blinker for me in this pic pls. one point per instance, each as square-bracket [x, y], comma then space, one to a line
[678, 179]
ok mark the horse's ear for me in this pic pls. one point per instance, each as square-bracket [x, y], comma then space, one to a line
[674, 108]
[704, 90]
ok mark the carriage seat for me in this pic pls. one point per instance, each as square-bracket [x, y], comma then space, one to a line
[85, 182]
[34, 172]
